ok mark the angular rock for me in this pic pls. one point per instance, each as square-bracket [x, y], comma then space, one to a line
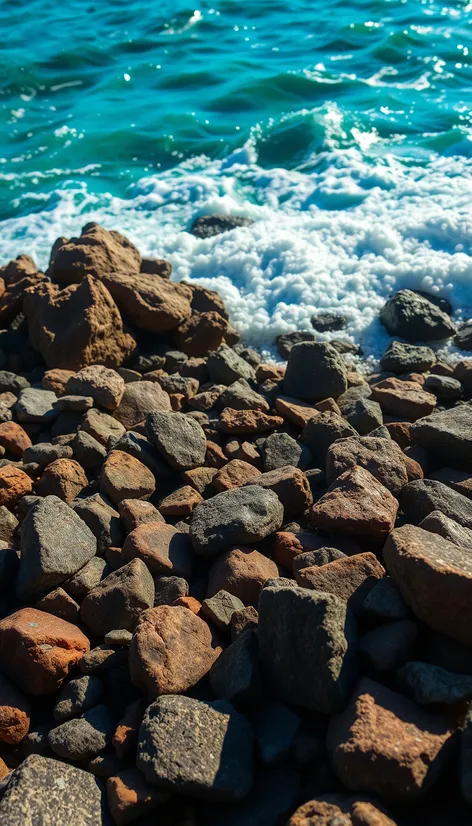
[437, 522]
[320, 432]
[152, 304]
[61, 604]
[364, 415]
[105, 386]
[135, 512]
[226, 367]
[101, 426]
[295, 411]
[220, 608]
[382, 458]
[407, 358]
[314, 371]
[64, 479]
[181, 502]
[411, 316]
[403, 399]
[139, 399]
[102, 519]
[350, 578]
[241, 422]
[88, 577]
[163, 548]
[85, 736]
[119, 599]
[169, 589]
[178, 438]
[385, 602]
[235, 474]
[124, 477]
[35, 405]
[287, 341]
[201, 333]
[429, 684]
[448, 432]
[242, 572]
[130, 797]
[96, 252]
[236, 674]
[423, 496]
[291, 486]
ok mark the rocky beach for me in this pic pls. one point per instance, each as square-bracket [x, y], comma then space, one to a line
[233, 592]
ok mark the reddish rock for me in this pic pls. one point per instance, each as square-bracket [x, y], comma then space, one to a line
[434, 577]
[247, 421]
[180, 502]
[413, 469]
[243, 573]
[400, 433]
[164, 549]
[269, 372]
[291, 486]
[14, 484]
[200, 478]
[172, 649]
[339, 810]
[37, 650]
[381, 457]
[13, 438]
[328, 406]
[15, 713]
[17, 269]
[61, 604]
[139, 399]
[104, 386]
[64, 478]
[96, 252]
[77, 326]
[126, 733]
[295, 411]
[384, 744]
[356, 504]
[56, 380]
[130, 796]
[205, 300]
[350, 578]
[124, 477]
[215, 455]
[136, 512]
[201, 333]
[191, 603]
[405, 399]
[234, 474]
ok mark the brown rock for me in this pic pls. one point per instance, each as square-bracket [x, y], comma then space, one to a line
[11, 302]
[288, 546]
[151, 304]
[291, 486]
[270, 372]
[56, 380]
[17, 269]
[136, 512]
[235, 474]
[295, 411]
[245, 451]
[125, 737]
[64, 478]
[180, 502]
[105, 386]
[101, 426]
[4, 769]
[201, 333]
[171, 650]
[96, 252]
[384, 744]
[243, 572]
[381, 457]
[400, 433]
[77, 326]
[124, 477]
[356, 504]
[14, 484]
[37, 650]
[405, 399]
[139, 399]
[200, 478]
[164, 549]
[339, 810]
[205, 300]
[191, 603]
[130, 796]
[350, 578]
[13, 438]
[247, 421]
[15, 713]
[61, 604]
[215, 455]
[434, 577]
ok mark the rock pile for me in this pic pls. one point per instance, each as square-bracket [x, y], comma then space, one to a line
[231, 593]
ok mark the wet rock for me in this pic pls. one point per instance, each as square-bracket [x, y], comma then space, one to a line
[105, 386]
[242, 572]
[119, 599]
[64, 479]
[55, 544]
[413, 317]
[350, 578]
[236, 674]
[15, 713]
[198, 748]
[242, 515]
[382, 458]
[163, 548]
[96, 251]
[226, 367]
[423, 496]
[407, 358]
[178, 438]
[77, 696]
[307, 647]
[152, 304]
[207, 226]
[124, 477]
[85, 736]
[448, 432]
[404, 399]
[314, 371]
[429, 684]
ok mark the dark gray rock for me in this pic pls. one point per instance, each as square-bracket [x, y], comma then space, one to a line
[235, 516]
[307, 645]
[321, 556]
[118, 600]
[220, 608]
[448, 432]
[423, 496]
[413, 317]
[55, 544]
[8, 525]
[389, 646]
[240, 396]
[179, 439]
[286, 341]
[444, 387]
[103, 658]
[45, 792]
[9, 564]
[272, 799]
[35, 405]
[328, 322]
[314, 371]
[85, 736]
[364, 415]
[437, 522]
[88, 452]
[385, 602]
[275, 729]
[138, 446]
[207, 226]
[11, 383]
[43, 453]
[102, 519]
[427, 684]
[77, 696]
[280, 449]
[88, 577]
[168, 589]
[407, 358]
[197, 748]
[226, 367]
[320, 433]
[236, 674]
[463, 338]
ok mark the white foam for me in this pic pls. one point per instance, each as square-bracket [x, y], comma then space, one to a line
[341, 238]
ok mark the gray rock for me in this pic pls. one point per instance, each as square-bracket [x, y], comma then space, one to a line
[381, 432]
[45, 792]
[273, 798]
[321, 556]
[280, 449]
[236, 674]
[119, 636]
[385, 602]
[243, 620]
[382, 458]
[389, 646]
[88, 451]
[135, 512]
[407, 358]
[463, 338]
[44, 453]
[207, 226]
[73, 404]
[445, 387]
[225, 367]
[35, 406]
[179, 439]
[8, 525]
[314, 371]
[307, 645]
[448, 432]
[287, 341]
[328, 322]
[427, 684]
[138, 446]
[437, 522]
[168, 589]
[11, 383]
[102, 519]
[197, 748]
[220, 608]
[85, 736]
[240, 396]
[118, 600]
[423, 496]
[413, 317]
[364, 415]
[103, 658]
[320, 433]
[77, 696]
[55, 544]
[240, 515]
[88, 577]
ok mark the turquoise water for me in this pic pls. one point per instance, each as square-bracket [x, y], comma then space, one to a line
[317, 119]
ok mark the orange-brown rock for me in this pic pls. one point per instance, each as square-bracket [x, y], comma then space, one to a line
[356, 504]
[405, 399]
[171, 650]
[384, 744]
[152, 304]
[126, 733]
[295, 411]
[383, 458]
[269, 372]
[96, 252]
[180, 502]
[130, 796]
[14, 483]
[234, 474]
[17, 269]
[11, 302]
[124, 477]
[191, 603]
[242, 572]
[215, 455]
[247, 421]
[136, 512]
[350, 578]
[200, 478]
[37, 650]
[413, 468]
[4, 769]
[56, 380]
[15, 712]
[104, 386]
[13, 438]
[340, 810]
[328, 405]
[291, 486]
[201, 333]
[164, 549]
[245, 451]
[64, 478]
[400, 433]
[76, 326]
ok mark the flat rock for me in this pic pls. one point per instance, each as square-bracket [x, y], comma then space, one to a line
[124, 477]
[119, 599]
[197, 748]
[163, 548]
[314, 371]
[382, 458]
[403, 399]
[242, 422]
[179, 439]
[413, 317]
[35, 405]
[423, 496]
[104, 386]
[448, 432]
[139, 399]
[207, 226]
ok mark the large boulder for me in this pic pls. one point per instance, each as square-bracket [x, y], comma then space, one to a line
[411, 316]
[96, 252]
[152, 304]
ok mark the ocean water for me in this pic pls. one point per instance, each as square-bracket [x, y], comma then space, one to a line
[343, 128]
